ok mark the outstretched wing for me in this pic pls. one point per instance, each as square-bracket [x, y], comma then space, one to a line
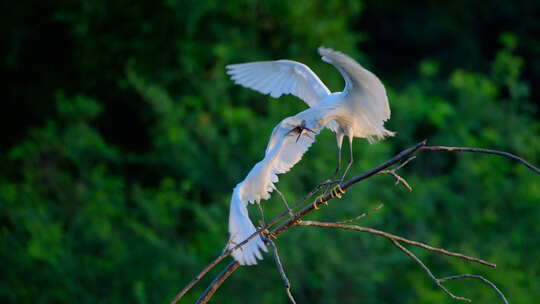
[284, 150]
[280, 77]
[291, 149]
[361, 85]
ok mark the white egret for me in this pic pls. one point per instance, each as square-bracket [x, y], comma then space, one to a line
[285, 148]
[360, 110]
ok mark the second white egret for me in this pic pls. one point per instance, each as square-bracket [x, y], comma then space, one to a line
[290, 139]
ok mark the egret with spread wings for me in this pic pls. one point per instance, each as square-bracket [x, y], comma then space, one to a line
[360, 110]
[288, 142]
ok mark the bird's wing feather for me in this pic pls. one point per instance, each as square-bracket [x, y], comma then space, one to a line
[280, 77]
[283, 152]
[292, 150]
[240, 228]
[361, 85]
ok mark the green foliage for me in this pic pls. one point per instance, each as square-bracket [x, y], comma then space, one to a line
[117, 189]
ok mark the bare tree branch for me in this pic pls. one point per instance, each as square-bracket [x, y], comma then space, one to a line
[478, 150]
[395, 238]
[296, 220]
[426, 269]
[282, 271]
[216, 283]
[226, 253]
[398, 178]
[473, 276]
[354, 219]
[285, 225]
[212, 264]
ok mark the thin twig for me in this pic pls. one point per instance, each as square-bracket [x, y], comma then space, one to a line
[385, 165]
[403, 164]
[282, 271]
[362, 215]
[473, 276]
[478, 150]
[426, 269]
[395, 237]
[398, 178]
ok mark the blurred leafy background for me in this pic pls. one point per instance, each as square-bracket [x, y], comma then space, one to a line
[121, 138]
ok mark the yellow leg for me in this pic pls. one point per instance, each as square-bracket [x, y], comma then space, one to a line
[318, 201]
[337, 192]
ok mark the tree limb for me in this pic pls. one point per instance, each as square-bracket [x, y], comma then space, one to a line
[288, 223]
[393, 237]
[216, 283]
[296, 220]
[226, 253]
[478, 150]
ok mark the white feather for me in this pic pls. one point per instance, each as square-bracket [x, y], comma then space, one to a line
[288, 77]
[364, 96]
[240, 228]
[284, 150]
[359, 111]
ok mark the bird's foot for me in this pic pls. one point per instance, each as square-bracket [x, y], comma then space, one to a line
[319, 201]
[267, 234]
[337, 192]
[328, 183]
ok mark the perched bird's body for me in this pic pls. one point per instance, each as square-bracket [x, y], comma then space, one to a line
[360, 110]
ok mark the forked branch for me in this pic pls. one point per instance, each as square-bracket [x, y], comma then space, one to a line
[275, 227]
[398, 178]
[395, 238]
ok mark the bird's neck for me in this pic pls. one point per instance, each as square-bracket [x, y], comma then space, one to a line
[317, 117]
